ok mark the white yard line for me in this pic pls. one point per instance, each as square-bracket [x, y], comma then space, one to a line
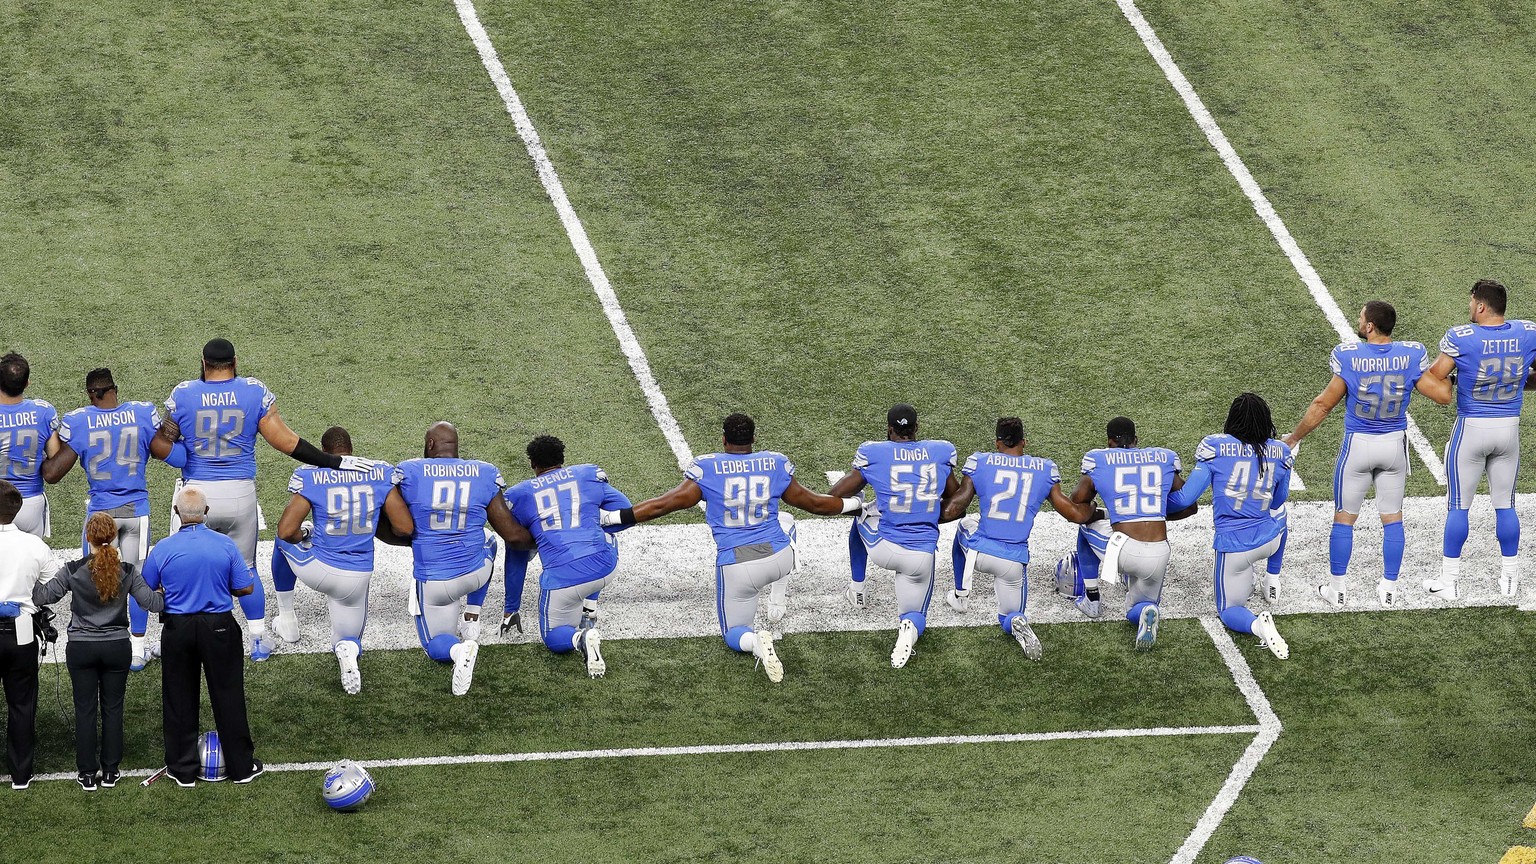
[638, 363]
[763, 747]
[1268, 732]
[1265, 210]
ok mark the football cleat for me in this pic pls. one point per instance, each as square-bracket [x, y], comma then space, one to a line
[1091, 608]
[286, 626]
[140, 657]
[257, 769]
[351, 676]
[1146, 628]
[1272, 587]
[960, 601]
[510, 621]
[469, 629]
[768, 657]
[1269, 635]
[1386, 592]
[1333, 598]
[1445, 589]
[1027, 638]
[261, 648]
[592, 646]
[857, 596]
[464, 666]
[1509, 584]
[906, 642]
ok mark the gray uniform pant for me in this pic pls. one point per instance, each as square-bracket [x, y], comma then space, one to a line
[346, 593]
[914, 574]
[1482, 445]
[1237, 571]
[231, 511]
[1144, 567]
[132, 535]
[437, 603]
[738, 586]
[562, 607]
[34, 518]
[1366, 460]
[1007, 575]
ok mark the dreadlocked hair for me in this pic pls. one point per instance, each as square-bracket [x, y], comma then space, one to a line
[1249, 421]
[106, 564]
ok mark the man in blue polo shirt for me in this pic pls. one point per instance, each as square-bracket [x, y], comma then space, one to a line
[201, 572]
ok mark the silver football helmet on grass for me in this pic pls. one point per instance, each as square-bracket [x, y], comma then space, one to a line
[347, 786]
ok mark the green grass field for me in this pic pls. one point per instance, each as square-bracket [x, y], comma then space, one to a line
[809, 211]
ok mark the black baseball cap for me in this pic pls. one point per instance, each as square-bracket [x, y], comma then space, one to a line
[902, 417]
[1121, 429]
[219, 351]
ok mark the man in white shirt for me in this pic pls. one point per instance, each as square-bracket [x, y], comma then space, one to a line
[24, 561]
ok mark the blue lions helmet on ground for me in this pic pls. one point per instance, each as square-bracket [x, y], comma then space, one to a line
[210, 757]
[1244, 859]
[347, 786]
[1066, 575]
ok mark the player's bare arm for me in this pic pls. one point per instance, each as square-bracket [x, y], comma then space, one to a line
[54, 445]
[165, 439]
[796, 495]
[397, 526]
[290, 526]
[1070, 510]
[1435, 383]
[58, 464]
[687, 494]
[958, 503]
[951, 489]
[852, 484]
[1318, 411]
[501, 521]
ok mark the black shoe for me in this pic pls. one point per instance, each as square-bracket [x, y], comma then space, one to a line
[257, 769]
[19, 785]
[86, 781]
[110, 778]
[185, 784]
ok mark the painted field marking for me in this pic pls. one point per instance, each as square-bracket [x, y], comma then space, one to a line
[1519, 855]
[1265, 210]
[1530, 818]
[660, 409]
[1268, 732]
[762, 747]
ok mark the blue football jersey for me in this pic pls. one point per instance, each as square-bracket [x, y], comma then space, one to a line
[1491, 366]
[113, 446]
[24, 432]
[562, 510]
[1010, 490]
[908, 478]
[345, 507]
[218, 422]
[1242, 495]
[1133, 482]
[741, 498]
[1378, 381]
[448, 497]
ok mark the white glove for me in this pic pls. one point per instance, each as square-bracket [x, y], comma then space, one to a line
[357, 463]
[609, 518]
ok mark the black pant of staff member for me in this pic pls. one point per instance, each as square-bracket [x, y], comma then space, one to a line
[23, 559]
[201, 572]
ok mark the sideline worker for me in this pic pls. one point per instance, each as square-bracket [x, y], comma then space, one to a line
[201, 572]
[23, 560]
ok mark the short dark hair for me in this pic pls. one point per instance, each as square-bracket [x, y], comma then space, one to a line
[1010, 430]
[546, 451]
[1122, 431]
[336, 438]
[1381, 315]
[739, 429]
[10, 502]
[1488, 292]
[99, 381]
[14, 372]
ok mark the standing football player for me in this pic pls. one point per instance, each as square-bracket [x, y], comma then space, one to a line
[1375, 379]
[448, 503]
[113, 439]
[29, 432]
[1011, 486]
[1492, 359]
[334, 553]
[562, 508]
[913, 480]
[219, 417]
[1134, 483]
[754, 541]
[1250, 473]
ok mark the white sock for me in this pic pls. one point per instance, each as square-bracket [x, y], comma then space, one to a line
[749, 643]
[1511, 565]
[1337, 583]
[471, 609]
[138, 644]
[1450, 569]
[258, 627]
[284, 602]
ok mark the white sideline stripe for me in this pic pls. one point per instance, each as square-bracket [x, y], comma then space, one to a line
[764, 747]
[638, 363]
[1269, 730]
[1265, 210]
